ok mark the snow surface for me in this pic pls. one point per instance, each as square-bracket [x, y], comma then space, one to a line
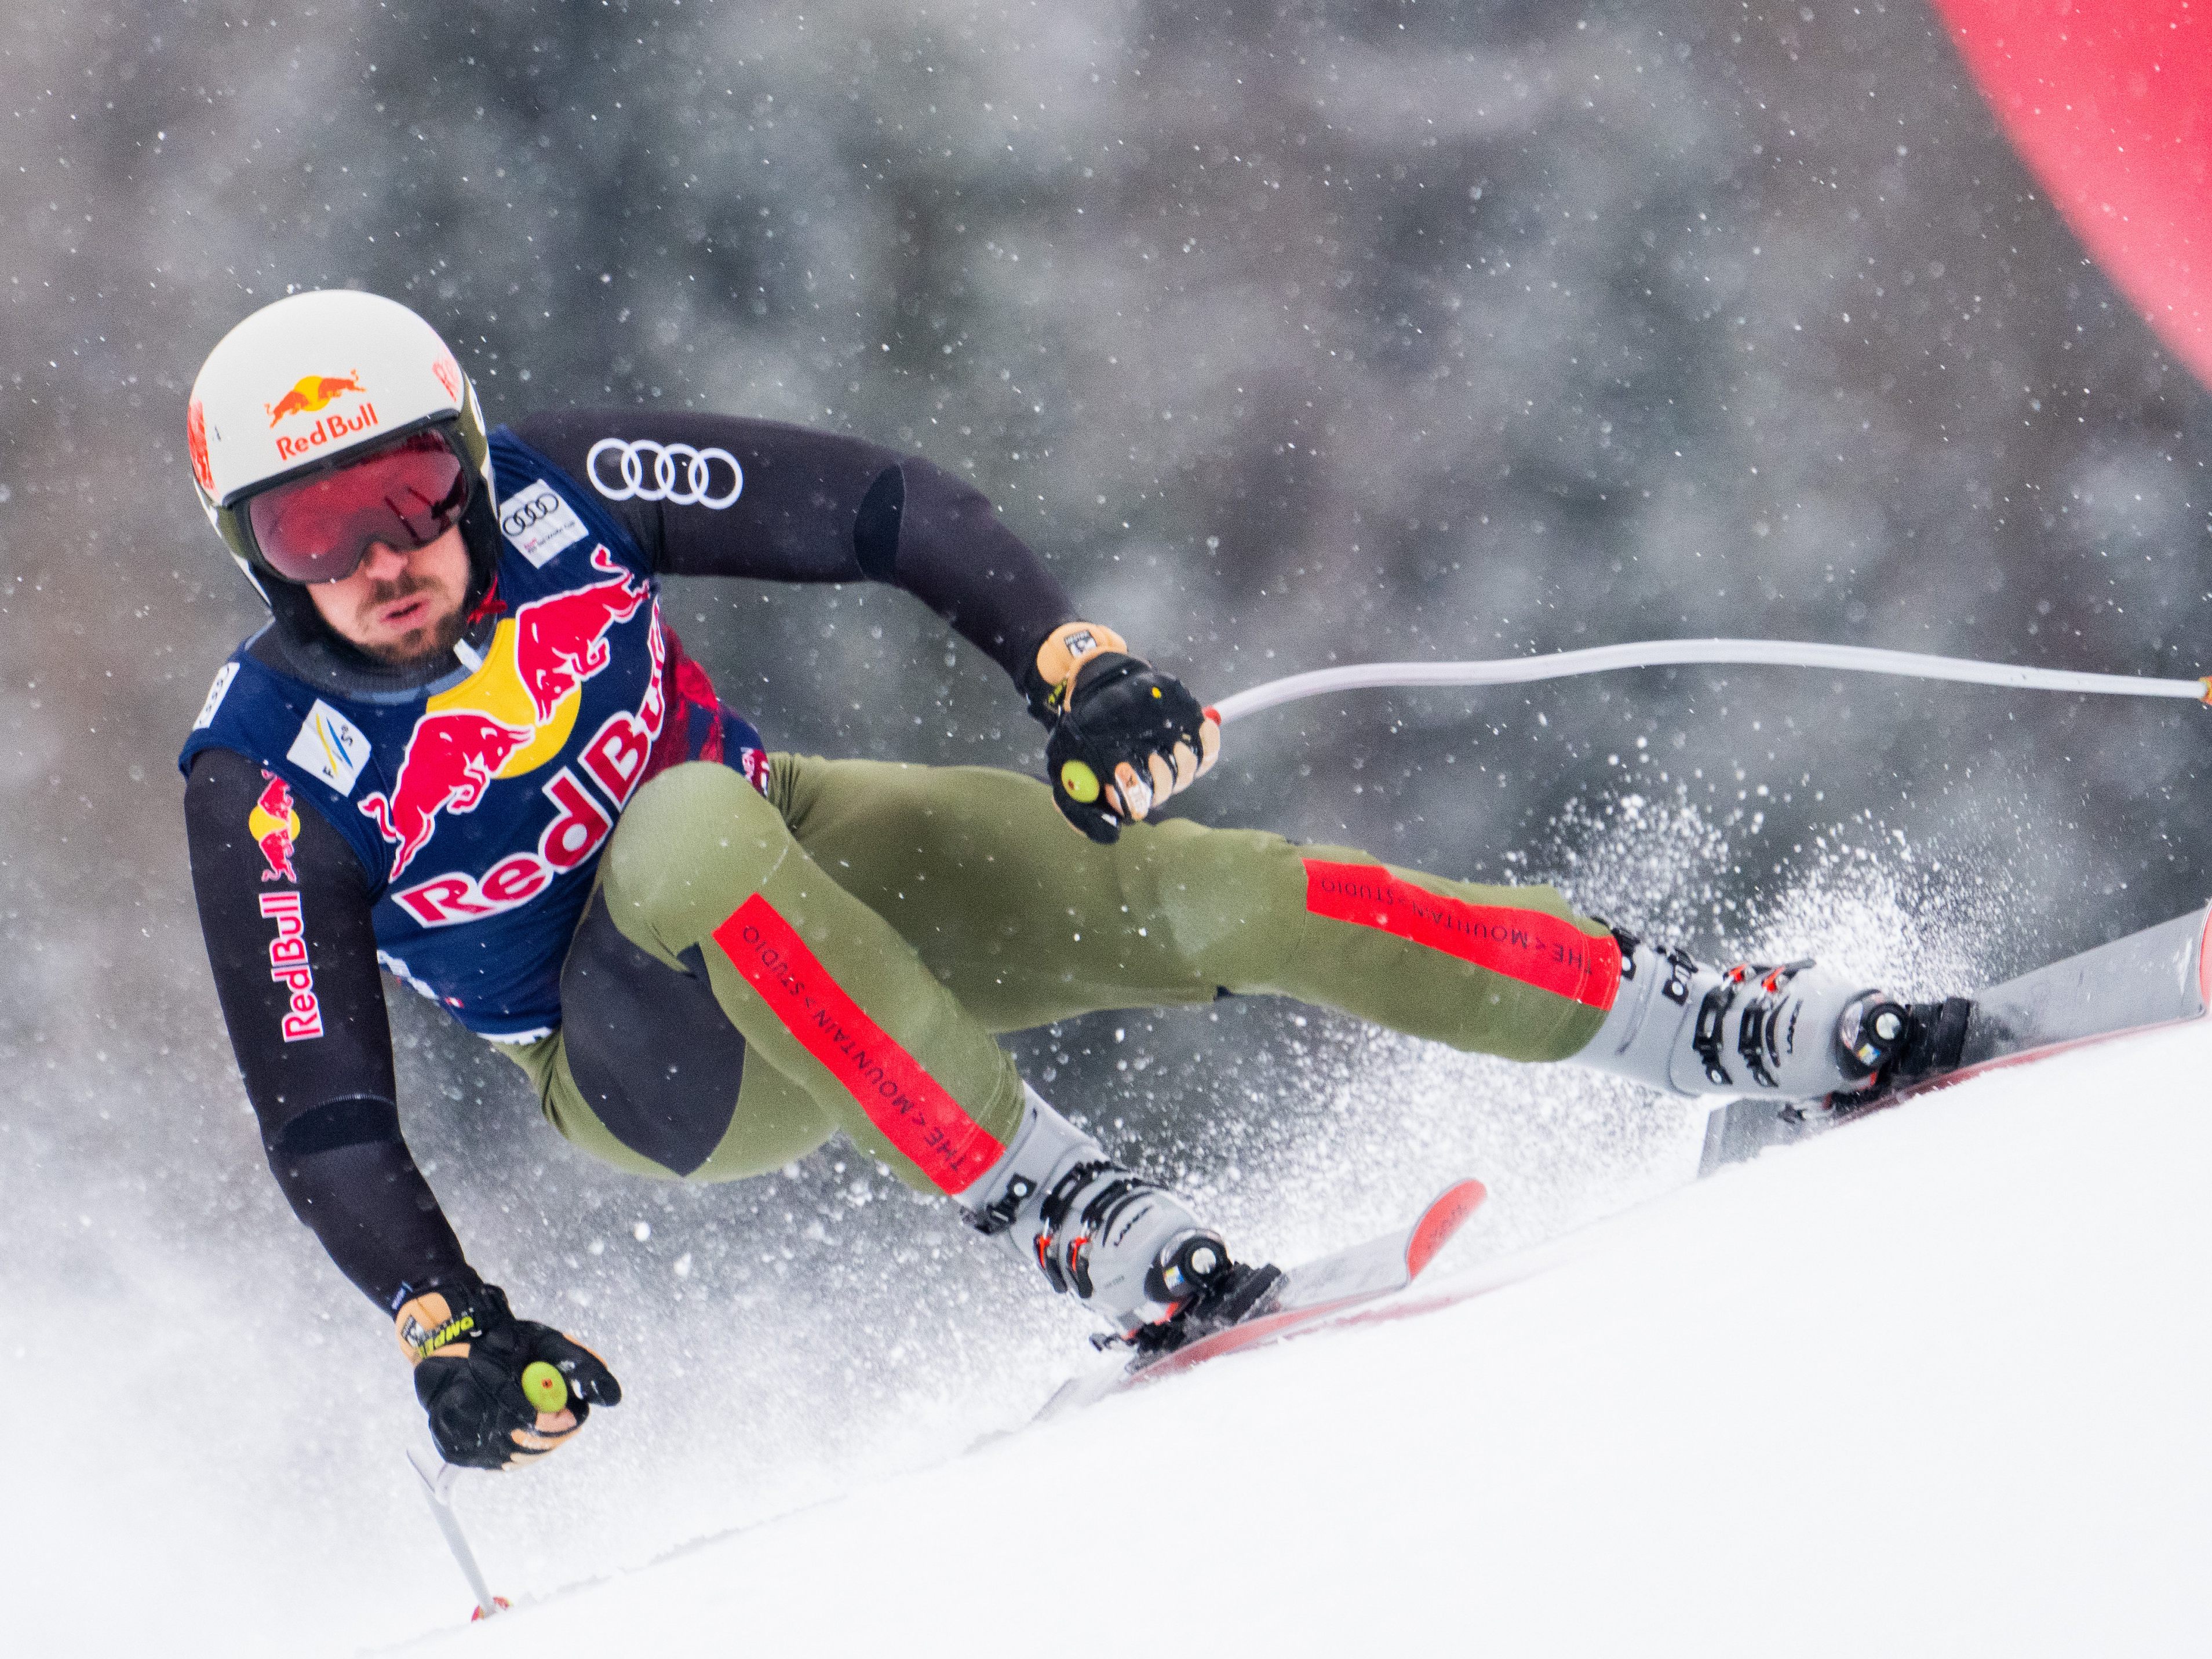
[1937, 1384]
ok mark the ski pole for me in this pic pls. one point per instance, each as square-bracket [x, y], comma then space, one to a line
[1653, 654]
[549, 1392]
[437, 1477]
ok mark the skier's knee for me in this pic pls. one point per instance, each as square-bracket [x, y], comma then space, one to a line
[697, 838]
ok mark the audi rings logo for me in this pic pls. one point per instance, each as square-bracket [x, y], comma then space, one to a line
[679, 475]
[529, 510]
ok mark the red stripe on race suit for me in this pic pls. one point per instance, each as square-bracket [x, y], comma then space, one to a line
[1533, 946]
[909, 1106]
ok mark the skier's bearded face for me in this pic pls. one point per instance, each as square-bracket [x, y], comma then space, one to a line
[400, 608]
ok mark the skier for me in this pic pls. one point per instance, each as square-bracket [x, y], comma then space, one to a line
[468, 746]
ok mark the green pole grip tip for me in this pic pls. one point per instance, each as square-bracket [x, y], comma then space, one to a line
[545, 1387]
[1079, 781]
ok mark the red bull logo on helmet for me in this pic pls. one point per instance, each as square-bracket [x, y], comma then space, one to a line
[196, 441]
[311, 394]
[448, 375]
[514, 715]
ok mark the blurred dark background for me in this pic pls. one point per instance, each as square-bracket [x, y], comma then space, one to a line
[1289, 334]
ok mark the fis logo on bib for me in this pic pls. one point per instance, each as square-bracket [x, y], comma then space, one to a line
[330, 747]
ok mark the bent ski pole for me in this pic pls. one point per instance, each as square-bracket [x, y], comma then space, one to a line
[1656, 654]
[437, 1477]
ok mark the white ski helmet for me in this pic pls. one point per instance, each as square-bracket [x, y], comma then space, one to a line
[310, 379]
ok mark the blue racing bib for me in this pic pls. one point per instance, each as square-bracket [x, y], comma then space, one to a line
[479, 807]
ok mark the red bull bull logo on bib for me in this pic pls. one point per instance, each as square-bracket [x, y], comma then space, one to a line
[515, 715]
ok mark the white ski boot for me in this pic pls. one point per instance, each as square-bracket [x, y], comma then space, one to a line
[1797, 1032]
[1126, 1248]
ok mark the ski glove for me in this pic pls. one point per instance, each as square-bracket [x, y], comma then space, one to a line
[1125, 736]
[471, 1353]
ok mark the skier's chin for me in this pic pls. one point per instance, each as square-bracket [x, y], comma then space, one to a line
[420, 645]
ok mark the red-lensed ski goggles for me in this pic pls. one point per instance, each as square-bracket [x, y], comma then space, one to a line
[319, 528]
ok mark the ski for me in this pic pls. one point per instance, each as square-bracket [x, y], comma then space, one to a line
[2158, 977]
[1313, 1294]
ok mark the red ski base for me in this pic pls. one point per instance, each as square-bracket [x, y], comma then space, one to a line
[1321, 1292]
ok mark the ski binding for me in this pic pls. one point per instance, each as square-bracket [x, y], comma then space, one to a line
[2160, 976]
[1307, 1296]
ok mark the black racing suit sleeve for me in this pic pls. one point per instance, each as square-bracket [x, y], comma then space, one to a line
[330, 1123]
[816, 507]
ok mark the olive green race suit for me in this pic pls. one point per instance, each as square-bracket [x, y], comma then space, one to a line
[867, 927]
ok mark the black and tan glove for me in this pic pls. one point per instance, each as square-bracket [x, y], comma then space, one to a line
[1125, 736]
[482, 1376]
